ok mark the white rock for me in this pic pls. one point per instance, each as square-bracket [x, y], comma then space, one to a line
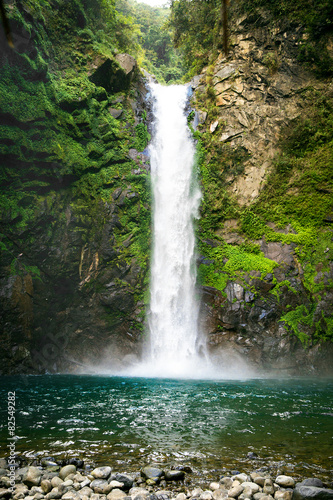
[285, 481]
[235, 491]
[242, 478]
[116, 494]
[206, 495]
[181, 496]
[246, 494]
[68, 482]
[219, 494]
[86, 491]
[283, 495]
[36, 489]
[116, 484]
[254, 487]
[196, 492]
[86, 482]
[101, 472]
[227, 481]
[71, 495]
[214, 486]
[79, 478]
[134, 492]
[213, 126]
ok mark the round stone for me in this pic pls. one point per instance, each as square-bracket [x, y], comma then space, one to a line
[32, 476]
[66, 471]
[313, 481]
[242, 478]
[125, 479]
[181, 496]
[46, 486]
[116, 494]
[285, 481]
[254, 487]
[235, 491]
[152, 473]
[101, 472]
[174, 475]
[206, 495]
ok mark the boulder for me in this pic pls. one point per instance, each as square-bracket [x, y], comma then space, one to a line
[312, 481]
[66, 471]
[115, 75]
[101, 472]
[152, 473]
[174, 475]
[285, 481]
[32, 476]
[304, 492]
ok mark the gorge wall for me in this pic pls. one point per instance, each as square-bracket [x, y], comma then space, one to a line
[266, 227]
[75, 197]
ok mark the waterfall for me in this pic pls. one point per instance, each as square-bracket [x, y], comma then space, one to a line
[174, 347]
[173, 337]
[173, 317]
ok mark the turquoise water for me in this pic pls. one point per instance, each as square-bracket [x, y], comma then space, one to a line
[209, 425]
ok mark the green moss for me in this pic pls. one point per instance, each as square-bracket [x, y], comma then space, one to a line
[296, 320]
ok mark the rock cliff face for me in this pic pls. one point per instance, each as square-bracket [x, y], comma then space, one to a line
[75, 199]
[245, 104]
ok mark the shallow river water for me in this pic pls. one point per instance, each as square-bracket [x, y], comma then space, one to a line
[208, 425]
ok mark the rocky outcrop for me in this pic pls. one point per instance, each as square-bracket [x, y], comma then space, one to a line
[245, 103]
[257, 94]
[115, 75]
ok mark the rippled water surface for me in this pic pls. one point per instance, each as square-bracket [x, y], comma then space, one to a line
[209, 425]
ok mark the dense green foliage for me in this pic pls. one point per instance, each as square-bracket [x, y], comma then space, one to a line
[159, 56]
[197, 28]
[297, 198]
[61, 149]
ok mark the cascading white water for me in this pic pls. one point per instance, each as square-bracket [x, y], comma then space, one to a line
[173, 317]
[174, 348]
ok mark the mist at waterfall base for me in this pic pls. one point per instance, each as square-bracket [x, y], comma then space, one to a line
[175, 348]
